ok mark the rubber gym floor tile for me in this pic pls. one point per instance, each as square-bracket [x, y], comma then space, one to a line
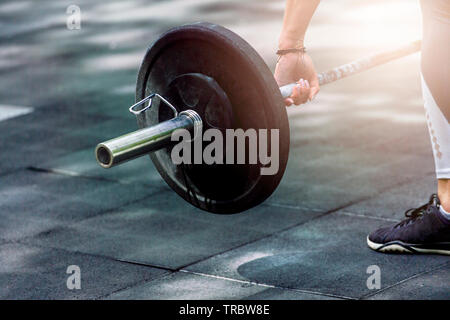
[348, 124]
[314, 196]
[323, 172]
[349, 189]
[117, 110]
[300, 188]
[428, 286]
[393, 203]
[327, 255]
[109, 129]
[309, 154]
[288, 294]
[398, 172]
[77, 187]
[420, 145]
[30, 272]
[33, 202]
[347, 134]
[339, 178]
[35, 154]
[58, 117]
[139, 171]
[163, 230]
[325, 154]
[44, 126]
[25, 210]
[35, 146]
[27, 138]
[374, 134]
[186, 286]
[27, 157]
[264, 218]
[148, 237]
[14, 227]
[31, 120]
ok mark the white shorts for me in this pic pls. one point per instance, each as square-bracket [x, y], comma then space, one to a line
[439, 133]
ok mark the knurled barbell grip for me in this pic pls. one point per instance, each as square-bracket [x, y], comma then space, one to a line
[359, 65]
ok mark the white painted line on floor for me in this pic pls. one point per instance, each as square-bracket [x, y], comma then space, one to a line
[8, 111]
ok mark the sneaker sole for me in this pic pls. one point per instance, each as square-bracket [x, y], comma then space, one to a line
[401, 247]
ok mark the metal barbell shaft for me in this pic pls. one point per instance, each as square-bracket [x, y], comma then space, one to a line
[359, 65]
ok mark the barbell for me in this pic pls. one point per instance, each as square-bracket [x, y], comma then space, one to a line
[205, 76]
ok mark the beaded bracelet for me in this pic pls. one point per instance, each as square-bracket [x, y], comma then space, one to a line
[291, 50]
[282, 52]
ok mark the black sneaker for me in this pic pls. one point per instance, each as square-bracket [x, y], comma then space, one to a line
[424, 231]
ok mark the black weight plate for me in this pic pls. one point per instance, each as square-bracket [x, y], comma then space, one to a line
[220, 54]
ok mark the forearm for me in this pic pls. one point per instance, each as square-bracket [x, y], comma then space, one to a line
[297, 15]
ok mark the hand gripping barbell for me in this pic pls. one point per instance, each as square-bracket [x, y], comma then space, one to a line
[205, 76]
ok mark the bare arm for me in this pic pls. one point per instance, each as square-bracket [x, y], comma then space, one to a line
[297, 67]
[297, 15]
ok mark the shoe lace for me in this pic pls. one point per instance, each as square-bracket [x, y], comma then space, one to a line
[415, 213]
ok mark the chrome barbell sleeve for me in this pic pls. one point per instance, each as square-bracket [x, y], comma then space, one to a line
[143, 141]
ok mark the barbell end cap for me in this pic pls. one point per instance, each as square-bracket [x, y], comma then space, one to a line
[104, 156]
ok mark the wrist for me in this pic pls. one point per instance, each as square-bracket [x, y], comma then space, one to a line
[289, 43]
